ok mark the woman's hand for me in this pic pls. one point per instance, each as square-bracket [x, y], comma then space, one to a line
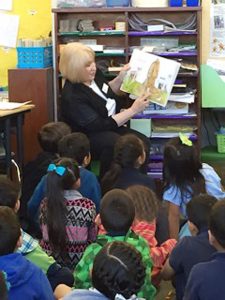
[140, 103]
[123, 72]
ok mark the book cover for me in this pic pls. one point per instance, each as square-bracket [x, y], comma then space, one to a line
[150, 73]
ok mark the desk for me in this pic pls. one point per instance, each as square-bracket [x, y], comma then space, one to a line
[9, 119]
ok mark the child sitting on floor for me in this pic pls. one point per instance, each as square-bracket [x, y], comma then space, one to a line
[26, 280]
[191, 250]
[67, 219]
[118, 273]
[48, 138]
[206, 280]
[129, 158]
[146, 207]
[9, 196]
[184, 177]
[116, 215]
[75, 146]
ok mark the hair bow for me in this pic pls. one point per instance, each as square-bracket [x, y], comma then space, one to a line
[185, 140]
[60, 170]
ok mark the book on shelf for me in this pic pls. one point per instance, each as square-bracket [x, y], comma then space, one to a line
[113, 50]
[96, 48]
[152, 74]
[168, 134]
[173, 108]
[182, 97]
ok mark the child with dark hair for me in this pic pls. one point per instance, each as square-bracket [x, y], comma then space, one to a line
[9, 196]
[129, 157]
[191, 250]
[26, 280]
[116, 215]
[206, 280]
[146, 207]
[48, 137]
[118, 271]
[184, 177]
[75, 146]
[66, 218]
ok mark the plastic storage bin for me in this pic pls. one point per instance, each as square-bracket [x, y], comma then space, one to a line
[34, 57]
[220, 143]
[118, 3]
[192, 2]
[175, 2]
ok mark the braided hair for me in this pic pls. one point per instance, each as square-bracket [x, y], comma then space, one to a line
[126, 152]
[118, 269]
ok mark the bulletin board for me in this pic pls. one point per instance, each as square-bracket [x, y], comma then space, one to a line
[35, 21]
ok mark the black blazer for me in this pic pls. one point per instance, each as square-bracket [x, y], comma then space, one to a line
[84, 110]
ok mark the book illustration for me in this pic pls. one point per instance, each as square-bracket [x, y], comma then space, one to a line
[150, 73]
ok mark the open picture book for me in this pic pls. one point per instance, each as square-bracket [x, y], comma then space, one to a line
[150, 73]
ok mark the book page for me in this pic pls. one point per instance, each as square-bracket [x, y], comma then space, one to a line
[150, 73]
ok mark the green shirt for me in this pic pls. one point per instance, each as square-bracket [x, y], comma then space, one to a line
[83, 269]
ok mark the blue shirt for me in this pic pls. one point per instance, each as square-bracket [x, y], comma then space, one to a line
[188, 252]
[26, 280]
[207, 280]
[212, 185]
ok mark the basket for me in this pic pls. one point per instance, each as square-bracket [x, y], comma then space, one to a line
[34, 57]
[220, 143]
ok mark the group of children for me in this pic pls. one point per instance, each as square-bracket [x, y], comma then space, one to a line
[90, 246]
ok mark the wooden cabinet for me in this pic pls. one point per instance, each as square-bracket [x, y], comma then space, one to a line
[35, 85]
[135, 34]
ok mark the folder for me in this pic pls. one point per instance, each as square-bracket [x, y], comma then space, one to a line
[212, 87]
[141, 125]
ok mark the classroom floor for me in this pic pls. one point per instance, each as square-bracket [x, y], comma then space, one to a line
[166, 291]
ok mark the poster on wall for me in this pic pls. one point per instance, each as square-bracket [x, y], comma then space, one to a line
[9, 25]
[5, 4]
[217, 28]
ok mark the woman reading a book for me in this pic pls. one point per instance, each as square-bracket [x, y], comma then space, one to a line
[92, 105]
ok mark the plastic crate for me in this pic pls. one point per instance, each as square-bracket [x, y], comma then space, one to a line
[34, 57]
[220, 143]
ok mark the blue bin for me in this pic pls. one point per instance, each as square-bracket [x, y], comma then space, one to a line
[192, 2]
[118, 3]
[34, 57]
[175, 2]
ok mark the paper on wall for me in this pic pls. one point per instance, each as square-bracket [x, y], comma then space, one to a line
[9, 25]
[5, 4]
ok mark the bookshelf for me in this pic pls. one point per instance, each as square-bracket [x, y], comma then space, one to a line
[130, 38]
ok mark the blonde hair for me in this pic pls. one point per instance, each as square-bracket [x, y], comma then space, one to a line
[145, 202]
[73, 59]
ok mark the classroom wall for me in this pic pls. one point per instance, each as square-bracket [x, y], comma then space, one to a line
[205, 30]
[35, 21]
